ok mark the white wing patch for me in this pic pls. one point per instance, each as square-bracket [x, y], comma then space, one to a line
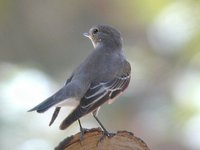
[109, 90]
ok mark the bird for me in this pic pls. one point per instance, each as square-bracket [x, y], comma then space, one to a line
[100, 78]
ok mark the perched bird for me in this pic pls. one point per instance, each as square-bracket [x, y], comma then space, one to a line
[100, 78]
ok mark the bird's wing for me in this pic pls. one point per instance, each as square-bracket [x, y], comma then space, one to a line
[97, 94]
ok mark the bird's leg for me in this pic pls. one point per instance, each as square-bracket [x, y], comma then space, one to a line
[105, 132]
[83, 130]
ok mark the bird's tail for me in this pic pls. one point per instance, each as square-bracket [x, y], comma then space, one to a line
[51, 101]
[42, 107]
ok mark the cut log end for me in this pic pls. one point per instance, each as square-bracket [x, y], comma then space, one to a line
[122, 140]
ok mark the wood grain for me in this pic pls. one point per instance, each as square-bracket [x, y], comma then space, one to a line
[122, 140]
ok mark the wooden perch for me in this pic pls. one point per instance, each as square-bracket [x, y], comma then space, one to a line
[122, 140]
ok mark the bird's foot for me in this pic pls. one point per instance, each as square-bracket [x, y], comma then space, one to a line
[83, 131]
[106, 134]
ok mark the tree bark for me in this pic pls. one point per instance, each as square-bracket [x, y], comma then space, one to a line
[122, 140]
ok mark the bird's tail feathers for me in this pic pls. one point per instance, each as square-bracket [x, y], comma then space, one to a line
[51, 101]
[44, 106]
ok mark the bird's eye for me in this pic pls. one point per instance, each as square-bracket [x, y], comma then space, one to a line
[95, 31]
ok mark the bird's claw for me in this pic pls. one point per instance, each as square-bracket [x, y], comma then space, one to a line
[83, 131]
[105, 134]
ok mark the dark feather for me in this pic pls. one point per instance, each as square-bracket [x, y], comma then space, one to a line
[96, 95]
[55, 114]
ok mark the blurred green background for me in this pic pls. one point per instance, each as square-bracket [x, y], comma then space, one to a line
[41, 42]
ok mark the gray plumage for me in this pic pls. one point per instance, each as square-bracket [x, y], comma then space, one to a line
[103, 75]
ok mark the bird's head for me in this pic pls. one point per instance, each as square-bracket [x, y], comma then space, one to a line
[104, 35]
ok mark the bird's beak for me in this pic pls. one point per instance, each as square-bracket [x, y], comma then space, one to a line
[89, 36]
[86, 35]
